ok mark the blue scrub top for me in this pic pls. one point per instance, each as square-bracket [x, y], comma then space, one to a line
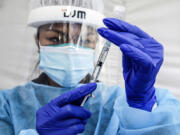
[111, 114]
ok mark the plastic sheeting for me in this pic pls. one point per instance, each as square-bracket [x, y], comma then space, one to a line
[159, 18]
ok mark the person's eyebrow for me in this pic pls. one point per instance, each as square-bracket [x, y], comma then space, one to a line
[56, 31]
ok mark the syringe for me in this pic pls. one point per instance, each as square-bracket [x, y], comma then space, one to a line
[98, 67]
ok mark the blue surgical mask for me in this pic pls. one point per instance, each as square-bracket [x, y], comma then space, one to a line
[67, 66]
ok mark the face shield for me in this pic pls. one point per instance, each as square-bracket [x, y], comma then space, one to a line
[73, 35]
[71, 30]
[111, 73]
[66, 25]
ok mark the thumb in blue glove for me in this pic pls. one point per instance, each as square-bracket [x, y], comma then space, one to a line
[142, 59]
[60, 117]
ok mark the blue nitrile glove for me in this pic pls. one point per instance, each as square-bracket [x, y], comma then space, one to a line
[61, 117]
[142, 59]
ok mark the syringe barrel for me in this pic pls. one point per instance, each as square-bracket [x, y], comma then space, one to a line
[104, 52]
[98, 68]
[100, 61]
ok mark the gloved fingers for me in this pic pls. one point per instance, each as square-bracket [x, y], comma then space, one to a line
[72, 111]
[127, 63]
[118, 38]
[74, 95]
[156, 50]
[68, 122]
[137, 55]
[48, 131]
[125, 34]
[119, 25]
[72, 130]
[75, 129]
[129, 35]
[84, 121]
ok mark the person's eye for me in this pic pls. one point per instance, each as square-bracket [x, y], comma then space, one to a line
[87, 41]
[54, 39]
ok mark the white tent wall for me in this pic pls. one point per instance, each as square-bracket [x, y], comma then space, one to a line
[159, 18]
[15, 53]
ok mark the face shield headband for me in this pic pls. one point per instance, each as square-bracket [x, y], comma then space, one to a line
[55, 14]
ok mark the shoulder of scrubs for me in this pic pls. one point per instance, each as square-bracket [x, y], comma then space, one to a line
[163, 120]
[6, 127]
[18, 107]
[11, 106]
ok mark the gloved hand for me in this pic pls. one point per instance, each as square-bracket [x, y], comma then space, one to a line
[61, 117]
[142, 59]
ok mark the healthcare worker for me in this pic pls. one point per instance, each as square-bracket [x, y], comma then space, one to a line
[67, 39]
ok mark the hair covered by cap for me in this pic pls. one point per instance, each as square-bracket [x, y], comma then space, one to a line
[97, 5]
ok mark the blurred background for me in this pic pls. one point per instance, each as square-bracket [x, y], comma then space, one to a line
[159, 18]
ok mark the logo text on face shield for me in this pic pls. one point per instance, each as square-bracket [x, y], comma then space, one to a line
[75, 14]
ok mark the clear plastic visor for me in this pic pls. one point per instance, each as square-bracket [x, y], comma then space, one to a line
[68, 34]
